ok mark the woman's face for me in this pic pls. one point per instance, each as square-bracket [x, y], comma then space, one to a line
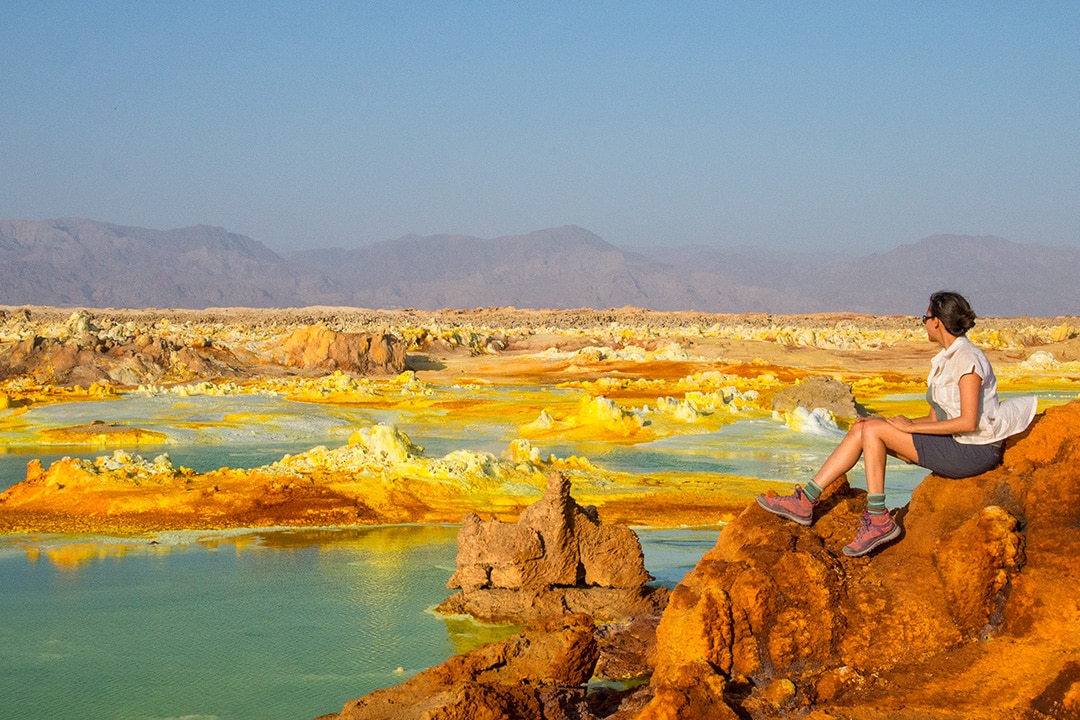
[933, 325]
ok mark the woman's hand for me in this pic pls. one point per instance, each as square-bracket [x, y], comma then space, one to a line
[901, 422]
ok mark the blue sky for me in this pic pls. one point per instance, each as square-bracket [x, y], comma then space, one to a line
[785, 125]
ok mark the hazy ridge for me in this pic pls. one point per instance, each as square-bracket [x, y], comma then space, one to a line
[79, 262]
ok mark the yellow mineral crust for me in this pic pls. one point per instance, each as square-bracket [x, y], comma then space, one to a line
[595, 418]
[19, 393]
[379, 477]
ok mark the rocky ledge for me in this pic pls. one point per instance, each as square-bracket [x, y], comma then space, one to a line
[974, 613]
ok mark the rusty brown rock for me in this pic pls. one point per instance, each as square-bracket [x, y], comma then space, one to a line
[817, 391]
[557, 558]
[627, 650]
[493, 554]
[610, 555]
[535, 675]
[553, 518]
[692, 691]
[975, 562]
[319, 347]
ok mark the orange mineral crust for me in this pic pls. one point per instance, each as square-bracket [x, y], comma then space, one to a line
[379, 478]
[973, 614]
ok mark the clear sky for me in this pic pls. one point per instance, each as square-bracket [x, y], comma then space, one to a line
[788, 125]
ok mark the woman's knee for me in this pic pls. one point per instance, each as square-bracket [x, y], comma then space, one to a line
[874, 430]
[857, 429]
[882, 433]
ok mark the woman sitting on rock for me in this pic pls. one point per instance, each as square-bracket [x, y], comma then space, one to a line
[962, 435]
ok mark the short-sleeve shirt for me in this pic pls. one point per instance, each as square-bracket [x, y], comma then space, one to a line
[997, 420]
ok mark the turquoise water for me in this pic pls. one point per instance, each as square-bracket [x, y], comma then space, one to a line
[286, 624]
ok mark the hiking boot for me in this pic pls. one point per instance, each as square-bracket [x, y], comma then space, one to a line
[795, 507]
[874, 531]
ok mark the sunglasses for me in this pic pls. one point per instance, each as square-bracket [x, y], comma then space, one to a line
[925, 318]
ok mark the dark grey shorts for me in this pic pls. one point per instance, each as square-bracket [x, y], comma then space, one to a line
[945, 456]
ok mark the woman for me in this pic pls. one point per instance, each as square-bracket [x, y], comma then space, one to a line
[962, 435]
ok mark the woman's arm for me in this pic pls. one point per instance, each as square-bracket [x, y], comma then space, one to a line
[966, 421]
[928, 417]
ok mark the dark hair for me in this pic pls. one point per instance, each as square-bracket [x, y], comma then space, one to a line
[953, 311]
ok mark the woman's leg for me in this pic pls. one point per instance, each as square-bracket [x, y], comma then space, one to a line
[872, 439]
[880, 439]
[844, 457]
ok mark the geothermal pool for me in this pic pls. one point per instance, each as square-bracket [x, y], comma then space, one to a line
[286, 624]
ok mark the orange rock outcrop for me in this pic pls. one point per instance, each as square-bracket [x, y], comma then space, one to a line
[975, 613]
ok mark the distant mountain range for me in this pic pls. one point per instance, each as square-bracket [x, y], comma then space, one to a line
[84, 263]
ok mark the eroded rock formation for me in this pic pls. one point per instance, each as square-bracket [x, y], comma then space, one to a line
[317, 346]
[88, 354]
[556, 558]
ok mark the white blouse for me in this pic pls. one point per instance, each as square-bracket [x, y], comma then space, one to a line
[997, 420]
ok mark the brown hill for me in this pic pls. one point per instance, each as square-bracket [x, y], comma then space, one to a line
[82, 263]
[1001, 278]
